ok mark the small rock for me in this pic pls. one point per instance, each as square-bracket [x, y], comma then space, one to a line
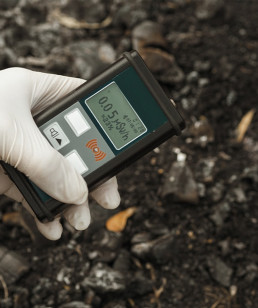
[12, 265]
[139, 285]
[205, 169]
[160, 249]
[189, 103]
[107, 239]
[122, 262]
[180, 183]
[239, 195]
[140, 237]
[129, 15]
[202, 82]
[217, 191]
[202, 66]
[251, 173]
[91, 11]
[202, 131]
[103, 279]
[220, 271]
[201, 190]
[252, 272]
[192, 77]
[239, 245]
[209, 8]
[225, 247]
[147, 33]
[220, 214]
[231, 98]
[102, 255]
[185, 90]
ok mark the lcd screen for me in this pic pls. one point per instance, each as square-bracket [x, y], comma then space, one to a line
[115, 115]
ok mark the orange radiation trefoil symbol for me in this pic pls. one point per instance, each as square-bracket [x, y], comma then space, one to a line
[98, 154]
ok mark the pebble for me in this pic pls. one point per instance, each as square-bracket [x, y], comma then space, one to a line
[207, 9]
[252, 273]
[122, 262]
[202, 66]
[203, 82]
[231, 98]
[189, 103]
[147, 33]
[192, 77]
[239, 195]
[103, 279]
[160, 249]
[129, 15]
[139, 285]
[216, 192]
[221, 212]
[91, 11]
[220, 271]
[107, 239]
[12, 265]
[201, 190]
[205, 169]
[180, 184]
[225, 247]
[185, 90]
[202, 131]
[140, 237]
[251, 173]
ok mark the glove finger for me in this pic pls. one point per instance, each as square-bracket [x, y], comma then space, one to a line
[78, 216]
[25, 148]
[51, 230]
[107, 194]
[48, 88]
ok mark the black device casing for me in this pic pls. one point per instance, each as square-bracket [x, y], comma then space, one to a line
[47, 211]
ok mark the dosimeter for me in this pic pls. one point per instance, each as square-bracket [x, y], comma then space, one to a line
[102, 127]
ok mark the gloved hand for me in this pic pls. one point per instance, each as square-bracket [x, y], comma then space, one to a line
[24, 93]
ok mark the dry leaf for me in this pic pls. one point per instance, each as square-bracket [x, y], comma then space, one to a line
[118, 222]
[72, 23]
[244, 124]
[12, 218]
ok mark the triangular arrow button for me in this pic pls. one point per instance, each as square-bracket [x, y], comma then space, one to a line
[59, 141]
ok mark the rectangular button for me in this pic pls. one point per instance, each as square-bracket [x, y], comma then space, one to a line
[75, 159]
[77, 122]
[56, 136]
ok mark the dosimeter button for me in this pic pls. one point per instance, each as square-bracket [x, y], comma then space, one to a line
[56, 136]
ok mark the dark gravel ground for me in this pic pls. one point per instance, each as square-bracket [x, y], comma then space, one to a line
[193, 239]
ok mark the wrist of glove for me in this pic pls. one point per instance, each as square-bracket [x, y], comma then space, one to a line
[24, 93]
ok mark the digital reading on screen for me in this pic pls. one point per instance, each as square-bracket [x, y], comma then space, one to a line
[115, 115]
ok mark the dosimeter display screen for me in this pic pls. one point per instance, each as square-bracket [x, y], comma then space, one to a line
[115, 115]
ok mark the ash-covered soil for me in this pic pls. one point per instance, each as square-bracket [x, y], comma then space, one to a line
[193, 240]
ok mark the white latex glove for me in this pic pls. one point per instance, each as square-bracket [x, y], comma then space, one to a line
[24, 93]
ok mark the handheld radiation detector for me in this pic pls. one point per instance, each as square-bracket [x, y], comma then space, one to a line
[102, 127]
